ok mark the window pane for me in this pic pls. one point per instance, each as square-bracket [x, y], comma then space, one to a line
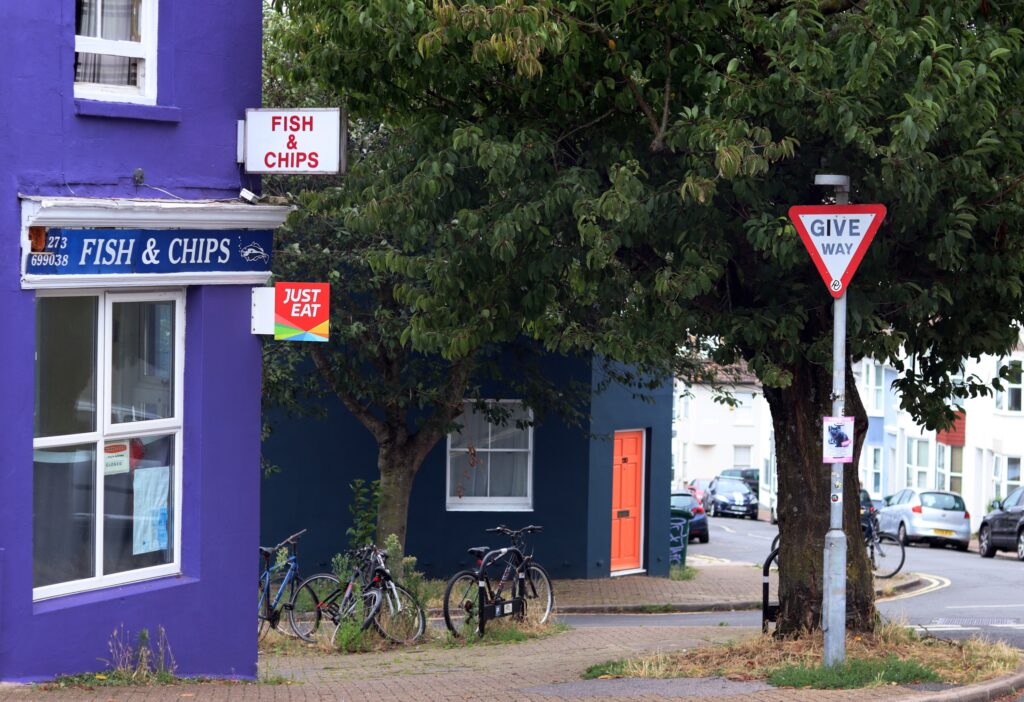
[138, 498]
[1013, 470]
[509, 435]
[741, 456]
[467, 480]
[922, 453]
[65, 369]
[142, 359]
[107, 69]
[121, 20]
[1013, 397]
[876, 484]
[474, 429]
[508, 474]
[922, 479]
[86, 18]
[955, 483]
[63, 514]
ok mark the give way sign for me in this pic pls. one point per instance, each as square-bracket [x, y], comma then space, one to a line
[837, 236]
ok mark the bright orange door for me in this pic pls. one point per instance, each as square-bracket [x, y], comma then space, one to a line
[627, 499]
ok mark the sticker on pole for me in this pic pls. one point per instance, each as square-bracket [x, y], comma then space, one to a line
[837, 237]
[301, 311]
[837, 440]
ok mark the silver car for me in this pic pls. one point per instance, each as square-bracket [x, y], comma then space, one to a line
[931, 516]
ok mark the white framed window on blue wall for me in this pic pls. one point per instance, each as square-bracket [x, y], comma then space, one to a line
[490, 458]
[116, 50]
[107, 447]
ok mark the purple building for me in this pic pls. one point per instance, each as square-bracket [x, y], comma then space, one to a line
[129, 452]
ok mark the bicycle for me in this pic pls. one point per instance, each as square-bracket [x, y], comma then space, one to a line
[370, 596]
[470, 597]
[279, 584]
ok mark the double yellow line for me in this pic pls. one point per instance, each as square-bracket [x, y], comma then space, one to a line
[935, 582]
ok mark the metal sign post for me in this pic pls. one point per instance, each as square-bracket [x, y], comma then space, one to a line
[837, 237]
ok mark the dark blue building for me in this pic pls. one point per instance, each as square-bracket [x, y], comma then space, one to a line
[599, 489]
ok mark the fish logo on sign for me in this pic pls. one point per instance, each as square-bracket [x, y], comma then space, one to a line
[837, 237]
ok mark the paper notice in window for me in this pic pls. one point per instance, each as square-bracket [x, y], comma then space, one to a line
[115, 457]
[150, 523]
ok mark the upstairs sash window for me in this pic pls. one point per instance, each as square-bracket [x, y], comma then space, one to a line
[115, 50]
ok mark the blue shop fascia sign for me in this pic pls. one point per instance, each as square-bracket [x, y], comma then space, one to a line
[192, 253]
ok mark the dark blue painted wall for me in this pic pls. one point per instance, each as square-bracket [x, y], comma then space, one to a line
[320, 458]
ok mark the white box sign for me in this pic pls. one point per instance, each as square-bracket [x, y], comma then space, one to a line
[292, 141]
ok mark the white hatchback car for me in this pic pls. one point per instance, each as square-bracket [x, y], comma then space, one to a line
[931, 516]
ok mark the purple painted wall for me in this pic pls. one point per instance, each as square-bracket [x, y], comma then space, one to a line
[209, 72]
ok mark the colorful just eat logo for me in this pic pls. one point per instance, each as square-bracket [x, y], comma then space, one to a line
[301, 311]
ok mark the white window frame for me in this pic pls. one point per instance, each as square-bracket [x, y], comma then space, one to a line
[1012, 485]
[146, 50]
[750, 456]
[490, 504]
[943, 463]
[107, 431]
[874, 387]
[876, 471]
[1002, 396]
[915, 471]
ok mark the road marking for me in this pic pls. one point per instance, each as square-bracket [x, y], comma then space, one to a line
[702, 560]
[935, 582]
[927, 628]
[995, 606]
[728, 529]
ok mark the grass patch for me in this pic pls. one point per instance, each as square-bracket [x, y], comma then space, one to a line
[609, 669]
[681, 572]
[854, 673]
[759, 658]
[503, 631]
[656, 608]
[115, 678]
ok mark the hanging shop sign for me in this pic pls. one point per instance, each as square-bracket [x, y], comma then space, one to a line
[301, 311]
[291, 141]
[146, 254]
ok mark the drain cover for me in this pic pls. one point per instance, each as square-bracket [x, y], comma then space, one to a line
[973, 621]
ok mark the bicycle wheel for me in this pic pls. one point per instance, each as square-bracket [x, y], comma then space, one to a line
[315, 607]
[461, 596]
[540, 596]
[886, 556]
[357, 614]
[400, 618]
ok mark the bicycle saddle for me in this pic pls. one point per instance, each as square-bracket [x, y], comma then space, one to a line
[266, 551]
[478, 552]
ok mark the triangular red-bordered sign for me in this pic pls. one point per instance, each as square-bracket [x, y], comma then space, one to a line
[837, 236]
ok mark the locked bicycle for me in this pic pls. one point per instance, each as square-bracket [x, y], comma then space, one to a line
[522, 591]
[886, 553]
[279, 584]
[370, 596]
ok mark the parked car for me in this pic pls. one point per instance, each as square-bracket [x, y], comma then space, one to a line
[931, 516]
[751, 476]
[697, 487]
[1002, 529]
[730, 496]
[685, 502]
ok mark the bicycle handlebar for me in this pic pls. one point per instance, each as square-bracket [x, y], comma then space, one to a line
[290, 541]
[502, 529]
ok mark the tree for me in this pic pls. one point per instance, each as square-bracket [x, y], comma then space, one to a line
[407, 399]
[633, 163]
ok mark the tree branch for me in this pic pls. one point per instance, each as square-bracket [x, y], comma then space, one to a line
[362, 413]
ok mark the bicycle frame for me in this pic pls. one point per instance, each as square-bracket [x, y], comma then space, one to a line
[490, 605]
[269, 601]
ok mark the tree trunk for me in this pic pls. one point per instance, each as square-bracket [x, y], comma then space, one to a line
[804, 501]
[398, 466]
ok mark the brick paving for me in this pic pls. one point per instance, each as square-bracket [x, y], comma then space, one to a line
[546, 669]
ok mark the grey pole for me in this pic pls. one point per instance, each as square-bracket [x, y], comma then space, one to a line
[834, 605]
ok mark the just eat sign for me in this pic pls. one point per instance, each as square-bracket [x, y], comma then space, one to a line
[302, 311]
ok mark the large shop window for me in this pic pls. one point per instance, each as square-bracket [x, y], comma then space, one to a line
[490, 464]
[107, 447]
[115, 50]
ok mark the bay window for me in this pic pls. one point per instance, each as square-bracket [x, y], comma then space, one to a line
[107, 439]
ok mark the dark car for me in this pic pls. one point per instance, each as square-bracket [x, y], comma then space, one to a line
[751, 476]
[684, 502]
[1002, 529]
[730, 496]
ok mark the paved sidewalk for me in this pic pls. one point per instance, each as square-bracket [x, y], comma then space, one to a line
[541, 670]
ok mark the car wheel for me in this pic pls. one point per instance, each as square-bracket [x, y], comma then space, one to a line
[901, 534]
[704, 538]
[985, 547]
[1020, 545]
